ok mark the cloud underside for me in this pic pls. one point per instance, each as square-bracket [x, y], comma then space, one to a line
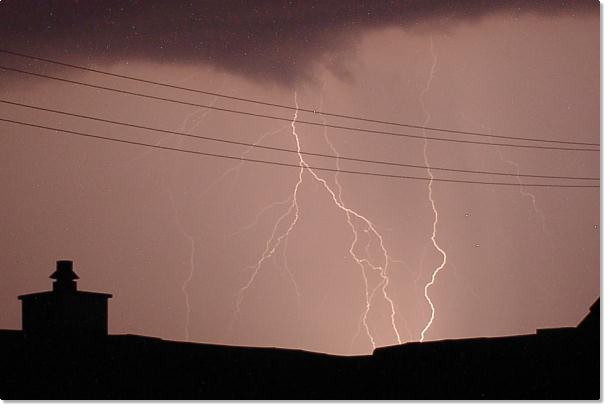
[266, 41]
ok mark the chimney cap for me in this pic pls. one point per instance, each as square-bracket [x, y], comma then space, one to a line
[64, 271]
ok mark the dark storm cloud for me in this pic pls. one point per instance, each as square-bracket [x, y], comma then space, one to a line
[277, 41]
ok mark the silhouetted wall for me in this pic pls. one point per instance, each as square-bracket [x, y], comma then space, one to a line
[65, 313]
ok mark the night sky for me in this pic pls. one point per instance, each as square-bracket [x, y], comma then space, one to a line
[225, 251]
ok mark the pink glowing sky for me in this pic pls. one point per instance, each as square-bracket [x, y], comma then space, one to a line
[177, 237]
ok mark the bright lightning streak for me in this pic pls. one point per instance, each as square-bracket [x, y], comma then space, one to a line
[184, 288]
[276, 238]
[430, 196]
[362, 262]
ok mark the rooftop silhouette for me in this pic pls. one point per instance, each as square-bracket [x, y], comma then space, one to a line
[64, 352]
[65, 311]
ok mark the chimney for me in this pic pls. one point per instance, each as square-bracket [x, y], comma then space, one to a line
[64, 277]
[65, 312]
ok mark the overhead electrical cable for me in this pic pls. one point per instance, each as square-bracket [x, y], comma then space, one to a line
[289, 107]
[335, 126]
[271, 148]
[283, 164]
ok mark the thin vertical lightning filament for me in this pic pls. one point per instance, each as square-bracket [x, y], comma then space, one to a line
[202, 114]
[430, 197]
[525, 193]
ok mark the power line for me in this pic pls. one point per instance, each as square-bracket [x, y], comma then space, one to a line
[290, 107]
[265, 147]
[365, 130]
[160, 147]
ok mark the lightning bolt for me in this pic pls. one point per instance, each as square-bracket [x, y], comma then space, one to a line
[412, 275]
[290, 274]
[530, 196]
[430, 196]
[189, 277]
[200, 116]
[190, 122]
[292, 213]
[542, 217]
[362, 263]
[237, 168]
[258, 217]
[274, 240]
[182, 127]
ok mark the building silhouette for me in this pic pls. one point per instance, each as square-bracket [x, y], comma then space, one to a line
[64, 352]
[65, 311]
